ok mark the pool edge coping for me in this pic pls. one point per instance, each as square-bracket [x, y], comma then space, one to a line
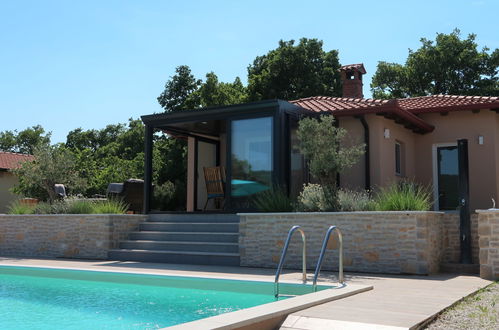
[275, 311]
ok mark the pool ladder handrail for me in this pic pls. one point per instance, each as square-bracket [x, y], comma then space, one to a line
[283, 256]
[341, 279]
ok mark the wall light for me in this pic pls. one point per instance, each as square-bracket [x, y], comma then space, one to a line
[480, 139]
[386, 133]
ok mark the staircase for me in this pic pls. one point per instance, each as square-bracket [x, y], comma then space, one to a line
[201, 239]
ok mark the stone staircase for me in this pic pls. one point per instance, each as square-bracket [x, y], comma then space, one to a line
[202, 239]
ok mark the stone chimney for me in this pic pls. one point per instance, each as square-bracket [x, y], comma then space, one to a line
[351, 78]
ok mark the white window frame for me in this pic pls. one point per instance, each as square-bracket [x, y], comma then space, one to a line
[435, 172]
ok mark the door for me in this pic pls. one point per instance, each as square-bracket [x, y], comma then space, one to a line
[207, 156]
[447, 177]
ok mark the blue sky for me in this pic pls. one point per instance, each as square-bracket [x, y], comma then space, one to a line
[70, 64]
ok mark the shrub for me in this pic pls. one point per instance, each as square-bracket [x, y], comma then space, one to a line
[317, 198]
[80, 207]
[164, 196]
[110, 206]
[273, 200]
[328, 153]
[355, 200]
[57, 207]
[19, 208]
[404, 196]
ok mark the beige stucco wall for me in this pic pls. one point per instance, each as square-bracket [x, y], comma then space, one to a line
[483, 159]
[7, 181]
[418, 149]
[382, 152]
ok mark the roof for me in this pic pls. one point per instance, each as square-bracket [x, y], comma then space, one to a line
[403, 109]
[11, 160]
[358, 67]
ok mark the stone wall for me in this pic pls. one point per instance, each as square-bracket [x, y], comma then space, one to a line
[488, 232]
[450, 238]
[64, 235]
[379, 242]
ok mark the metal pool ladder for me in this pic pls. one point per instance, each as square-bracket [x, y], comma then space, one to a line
[323, 251]
[283, 255]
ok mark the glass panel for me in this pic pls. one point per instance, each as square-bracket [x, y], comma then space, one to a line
[448, 176]
[251, 157]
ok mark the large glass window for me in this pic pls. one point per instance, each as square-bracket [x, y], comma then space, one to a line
[448, 178]
[251, 156]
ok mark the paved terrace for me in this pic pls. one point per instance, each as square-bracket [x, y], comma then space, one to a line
[397, 302]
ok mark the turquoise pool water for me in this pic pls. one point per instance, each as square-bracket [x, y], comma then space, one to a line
[38, 298]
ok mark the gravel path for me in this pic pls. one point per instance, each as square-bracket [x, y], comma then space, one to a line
[480, 311]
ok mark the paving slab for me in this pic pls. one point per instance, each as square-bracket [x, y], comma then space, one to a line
[403, 302]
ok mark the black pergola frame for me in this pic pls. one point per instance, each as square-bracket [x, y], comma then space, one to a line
[281, 112]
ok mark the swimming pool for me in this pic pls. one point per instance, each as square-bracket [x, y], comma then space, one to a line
[45, 298]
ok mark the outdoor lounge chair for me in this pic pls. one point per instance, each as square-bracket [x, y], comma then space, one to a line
[214, 179]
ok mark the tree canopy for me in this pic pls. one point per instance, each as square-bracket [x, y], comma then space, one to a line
[448, 65]
[295, 71]
[25, 141]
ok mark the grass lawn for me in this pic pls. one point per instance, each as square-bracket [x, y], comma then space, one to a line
[479, 311]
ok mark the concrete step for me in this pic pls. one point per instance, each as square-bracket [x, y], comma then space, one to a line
[175, 257]
[221, 237]
[180, 246]
[470, 269]
[193, 217]
[222, 227]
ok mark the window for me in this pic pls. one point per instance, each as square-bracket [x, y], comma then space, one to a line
[399, 158]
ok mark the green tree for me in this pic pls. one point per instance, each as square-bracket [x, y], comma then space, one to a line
[52, 164]
[295, 71]
[25, 141]
[448, 65]
[213, 93]
[323, 145]
[179, 89]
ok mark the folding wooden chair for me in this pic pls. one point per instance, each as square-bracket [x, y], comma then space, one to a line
[214, 179]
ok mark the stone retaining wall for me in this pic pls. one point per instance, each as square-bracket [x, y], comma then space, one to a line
[488, 231]
[379, 242]
[64, 235]
[450, 238]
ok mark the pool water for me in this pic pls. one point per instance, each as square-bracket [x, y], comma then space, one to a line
[38, 298]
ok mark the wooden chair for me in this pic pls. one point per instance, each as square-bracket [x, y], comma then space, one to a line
[214, 179]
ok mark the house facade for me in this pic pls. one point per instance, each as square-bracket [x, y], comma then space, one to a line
[442, 141]
[8, 162]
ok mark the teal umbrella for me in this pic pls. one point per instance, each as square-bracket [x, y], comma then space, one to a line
[245, 187]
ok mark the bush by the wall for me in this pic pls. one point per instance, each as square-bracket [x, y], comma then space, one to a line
[317, 198]
[273, 200]
[350, 200]
[19, 208]
[404, 196]
[110, 206]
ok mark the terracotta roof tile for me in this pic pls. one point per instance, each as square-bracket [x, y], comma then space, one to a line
[441, 103]
[328, 104]
[10, 160]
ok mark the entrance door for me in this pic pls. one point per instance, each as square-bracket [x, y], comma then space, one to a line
[207, 156]
[446, 177]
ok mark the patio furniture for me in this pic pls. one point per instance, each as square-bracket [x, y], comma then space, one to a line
[131, 191]
[214, 180]
[60, 190]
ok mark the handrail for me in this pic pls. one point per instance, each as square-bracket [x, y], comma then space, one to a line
[283, 255]
[321, 256]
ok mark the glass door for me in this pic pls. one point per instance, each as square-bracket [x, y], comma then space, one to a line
[251, 159]
[447, 177]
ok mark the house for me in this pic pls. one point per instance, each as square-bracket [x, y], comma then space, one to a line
[450, 143]
[8, 162]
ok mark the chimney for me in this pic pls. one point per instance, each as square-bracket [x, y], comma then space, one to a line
[351, 78]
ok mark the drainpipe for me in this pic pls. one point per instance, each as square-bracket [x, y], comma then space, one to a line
[366, 154]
